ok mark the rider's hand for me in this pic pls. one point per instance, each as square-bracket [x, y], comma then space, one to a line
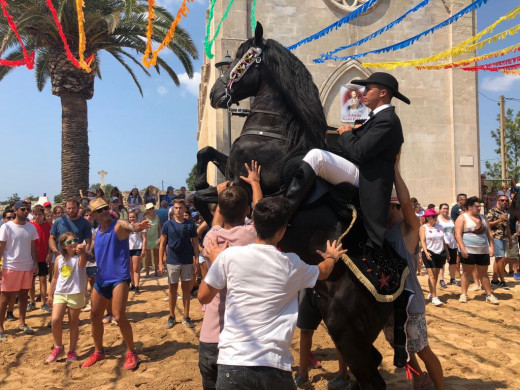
[334, 251]
[344, 128]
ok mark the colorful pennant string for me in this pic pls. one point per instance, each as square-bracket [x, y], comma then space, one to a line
[28, 60]
[468, 61]
[408, 42]
[511, 72]
[150, 58]
[81, 64]
[334, 26]
[253, 17]
[464, 47]
[492, 68]
[208, 43]
[500, 63]
[378, 32]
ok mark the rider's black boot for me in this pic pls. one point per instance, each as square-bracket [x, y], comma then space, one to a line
[302, 182]
[400, 317]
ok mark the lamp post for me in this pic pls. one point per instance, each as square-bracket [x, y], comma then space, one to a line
[222, 66]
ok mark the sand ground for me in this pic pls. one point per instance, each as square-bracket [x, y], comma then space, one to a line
[477, 343]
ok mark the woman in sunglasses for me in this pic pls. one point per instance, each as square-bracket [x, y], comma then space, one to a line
[67, 293]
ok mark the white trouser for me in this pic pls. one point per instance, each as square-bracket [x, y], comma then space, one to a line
[332, 168]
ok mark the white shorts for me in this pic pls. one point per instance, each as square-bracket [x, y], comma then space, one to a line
[416, 332]
[182, 271]
[332, 168]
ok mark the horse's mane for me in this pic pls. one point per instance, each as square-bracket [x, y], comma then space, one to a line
[292, 79]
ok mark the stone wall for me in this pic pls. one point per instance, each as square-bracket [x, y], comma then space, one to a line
[441, 152]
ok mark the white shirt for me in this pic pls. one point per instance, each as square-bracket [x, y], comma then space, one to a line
[448, 228]
[18, 240]
[434, 238]
[380, 108]
[72, 278]
[261, 303]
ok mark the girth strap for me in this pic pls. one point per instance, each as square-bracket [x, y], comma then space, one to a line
[265, 133]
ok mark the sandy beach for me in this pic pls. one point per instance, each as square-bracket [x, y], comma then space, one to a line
[478, 345]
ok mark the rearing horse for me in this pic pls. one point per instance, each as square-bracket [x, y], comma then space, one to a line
[286, 121]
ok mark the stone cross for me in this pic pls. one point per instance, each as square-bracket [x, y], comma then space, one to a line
[102, 173]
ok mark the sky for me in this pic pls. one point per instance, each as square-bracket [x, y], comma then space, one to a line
[153, 139]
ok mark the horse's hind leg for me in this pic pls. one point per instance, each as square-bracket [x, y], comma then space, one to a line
[204, 156]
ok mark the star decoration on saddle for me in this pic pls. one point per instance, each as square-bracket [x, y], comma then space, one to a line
[384, 280]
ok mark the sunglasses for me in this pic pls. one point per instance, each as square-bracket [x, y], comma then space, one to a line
[503, 200]
[102, 209]
[68, 242]
[24, 209]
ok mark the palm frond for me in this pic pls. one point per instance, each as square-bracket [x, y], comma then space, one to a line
[118, 57]
[41, 68]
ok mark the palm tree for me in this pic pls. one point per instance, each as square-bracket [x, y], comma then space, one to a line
[115, 26]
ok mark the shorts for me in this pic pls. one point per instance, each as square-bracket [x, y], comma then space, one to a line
[16, 280]
[208, 355]
[453, 256]
[500, 247]
[309, 314]
[476, 259]
[43, 269]
[73, 301]
[184, 271]
[91, 271]
[135, 252]
[416, 332]
[106, 289]
[513, 252]
[437, 261]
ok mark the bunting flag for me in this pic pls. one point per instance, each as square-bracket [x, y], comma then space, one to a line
[334, 26]
[253, 17]
[378, 32]
[509, 61]
[81, 64]
[208, 43]
[28, 60]
[464, 47]
[408, 42]
[150, 57]
[450, 65]
[511, 72]
[492, 69]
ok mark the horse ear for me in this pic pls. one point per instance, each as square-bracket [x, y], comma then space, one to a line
[259, 32]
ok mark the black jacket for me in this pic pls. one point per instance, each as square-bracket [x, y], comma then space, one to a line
[373, 147]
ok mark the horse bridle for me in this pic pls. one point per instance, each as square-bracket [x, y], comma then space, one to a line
[253, 55]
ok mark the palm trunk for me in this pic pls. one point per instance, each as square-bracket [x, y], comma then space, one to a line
[74, 145]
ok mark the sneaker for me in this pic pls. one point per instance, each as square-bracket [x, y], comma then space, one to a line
[495, 283]
[170, 323]
[93, 359]
[301, 382]
[71, 356]
[108, 319]
[3, 337]
[131, 361]
[475, 287]
[454, 282]
[427, 383]
[26, 329]
[31, 306]
[492, 299]
[188, 322]
[339, 383]
[428, 297]
[166, 298]
[504, 285]
[463, 298]
[443, 284]
[136, 291]
[45, 307]
[10, 316]
[436, 301]
[88, 307]
[313, 362]
[132, 287]
[516, 276]
[55, 354]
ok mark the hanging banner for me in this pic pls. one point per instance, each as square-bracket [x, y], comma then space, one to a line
[464, 47]
[334, 26]
[450, 65]
[28, 60]
[378, 32]
[149, 57]
[408, 42]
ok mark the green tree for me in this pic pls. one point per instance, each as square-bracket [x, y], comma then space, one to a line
[493, 170]
[57, 198]
[108, 189]
[115, 26]
[190, 180]
[13, 198]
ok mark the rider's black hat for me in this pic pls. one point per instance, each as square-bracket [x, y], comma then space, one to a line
[385, 79]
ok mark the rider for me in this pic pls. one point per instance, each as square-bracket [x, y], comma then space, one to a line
[372, 149]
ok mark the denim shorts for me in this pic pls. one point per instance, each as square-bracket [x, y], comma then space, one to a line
[91, 271]
[208, 355]
[500, 247]
[247, 378]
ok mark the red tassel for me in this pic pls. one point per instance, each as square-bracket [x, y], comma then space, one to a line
[409, 370]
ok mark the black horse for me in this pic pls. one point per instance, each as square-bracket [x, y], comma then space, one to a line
[286, 121]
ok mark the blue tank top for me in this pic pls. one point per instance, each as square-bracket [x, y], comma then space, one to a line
[112, 256]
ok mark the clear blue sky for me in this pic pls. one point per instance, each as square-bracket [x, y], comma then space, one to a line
[152, 140]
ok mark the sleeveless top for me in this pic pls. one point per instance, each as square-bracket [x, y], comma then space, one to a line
[72, 279]
[475, 243]
[434, 238]
[448, 228]
[395, 239]
[112, 256]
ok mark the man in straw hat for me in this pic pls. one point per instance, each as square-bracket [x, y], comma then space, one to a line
[371, 150]
[111, 250]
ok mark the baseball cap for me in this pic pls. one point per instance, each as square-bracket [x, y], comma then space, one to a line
[47, 204]
[114, 199]
[21, 203]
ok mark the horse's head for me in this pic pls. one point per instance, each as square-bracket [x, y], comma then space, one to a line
[242, 79]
